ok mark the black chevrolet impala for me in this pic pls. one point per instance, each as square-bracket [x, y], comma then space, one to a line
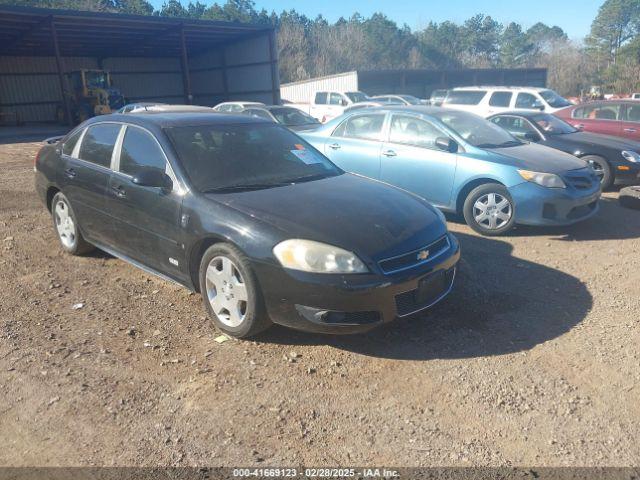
[250, 215]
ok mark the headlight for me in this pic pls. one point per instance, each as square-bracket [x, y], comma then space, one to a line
[549, 180]
[310, 256]
[631, 156]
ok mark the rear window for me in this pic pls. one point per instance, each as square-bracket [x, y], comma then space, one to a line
[71, 142]
[500, 99]
[219, 157]
[465, 97]
[98, 142]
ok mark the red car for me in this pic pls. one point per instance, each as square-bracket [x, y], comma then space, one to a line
[610, 117]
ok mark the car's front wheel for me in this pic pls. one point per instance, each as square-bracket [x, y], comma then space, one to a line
[602, 169]
[66, 225]
[231, 293]
[489, 209]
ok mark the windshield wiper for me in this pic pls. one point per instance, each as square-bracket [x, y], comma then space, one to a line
[243, 187]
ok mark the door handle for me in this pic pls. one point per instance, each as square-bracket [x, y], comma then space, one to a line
[70, 172]
[334, 146]
[579, 126]
[389, 153]
[119, 191]
[630, 130]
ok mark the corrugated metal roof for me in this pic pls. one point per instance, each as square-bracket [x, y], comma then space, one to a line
[27, 31]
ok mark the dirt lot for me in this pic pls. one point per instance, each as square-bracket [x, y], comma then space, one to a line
[533, 360]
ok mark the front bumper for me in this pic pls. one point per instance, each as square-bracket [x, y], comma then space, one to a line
[626, 173]
[354, 303]
[537, 205]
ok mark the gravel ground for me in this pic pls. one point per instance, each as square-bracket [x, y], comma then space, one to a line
[532, 360]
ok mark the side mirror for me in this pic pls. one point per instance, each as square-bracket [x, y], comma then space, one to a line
[447, 144]
[152, 177]
[538, 105]
[532, 137]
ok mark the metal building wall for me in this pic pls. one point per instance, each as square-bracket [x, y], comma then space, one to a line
[29, 85]
[244, 70]
[302, 91]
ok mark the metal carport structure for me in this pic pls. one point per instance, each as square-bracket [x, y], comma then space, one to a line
[150, 58]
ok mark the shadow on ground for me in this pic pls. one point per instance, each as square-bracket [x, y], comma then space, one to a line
[500, 305]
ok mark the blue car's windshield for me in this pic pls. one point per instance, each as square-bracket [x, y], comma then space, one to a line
[247, 156]
[476, 130]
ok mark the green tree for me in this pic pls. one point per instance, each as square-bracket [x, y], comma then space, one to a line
[515, 46]
[617, 22]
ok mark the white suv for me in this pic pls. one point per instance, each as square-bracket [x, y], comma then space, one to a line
[486, 101]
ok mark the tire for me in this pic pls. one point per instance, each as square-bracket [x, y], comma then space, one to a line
[491, 195]
[230, 292]
[66, 227]
[602, 168]
[630, 197]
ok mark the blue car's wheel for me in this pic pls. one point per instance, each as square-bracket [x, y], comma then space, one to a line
[489, 209]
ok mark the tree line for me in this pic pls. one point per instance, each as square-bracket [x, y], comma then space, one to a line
[608, 57]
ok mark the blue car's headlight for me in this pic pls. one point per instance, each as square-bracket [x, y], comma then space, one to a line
[549, 180]
[631, 156]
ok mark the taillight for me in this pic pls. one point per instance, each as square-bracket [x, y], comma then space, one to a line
[35, 162]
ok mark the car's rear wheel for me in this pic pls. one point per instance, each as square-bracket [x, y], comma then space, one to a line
[489, 209]
[231, 293]
[602, 169]
[66, 225]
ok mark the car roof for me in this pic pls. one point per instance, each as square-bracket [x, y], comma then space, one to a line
[175, 119]
[499, 87]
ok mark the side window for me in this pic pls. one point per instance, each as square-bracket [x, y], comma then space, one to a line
[367, 127]
[515, 125]
[335, 99]
[526, 100]
[500, 99]
[321, 98]
[465, 97]
[598, 112]
[70, 144]
[632, 113]
[97, 144]
[413, 131]
[139, 149]
[260, 114]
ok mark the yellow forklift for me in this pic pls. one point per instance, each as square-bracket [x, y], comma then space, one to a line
[92, 93]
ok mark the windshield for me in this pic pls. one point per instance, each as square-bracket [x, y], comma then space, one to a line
[356, 97]
[292, 117]
[476, 130]
[96, 80]
[219, 157]
[410, 99]
[552, 125]
[553, 99]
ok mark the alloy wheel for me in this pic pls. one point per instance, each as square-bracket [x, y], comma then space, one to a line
[492, 211]
[64, 224]
[226, 291]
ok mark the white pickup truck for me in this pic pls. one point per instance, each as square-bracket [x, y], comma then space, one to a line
[330, 104]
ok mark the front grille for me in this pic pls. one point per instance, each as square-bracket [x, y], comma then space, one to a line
[583, 179]
[351, 318]
[431, 289]
[415, 257]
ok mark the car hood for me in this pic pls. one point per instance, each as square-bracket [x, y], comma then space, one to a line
[608, 141]
[348, 211]
[531, 156]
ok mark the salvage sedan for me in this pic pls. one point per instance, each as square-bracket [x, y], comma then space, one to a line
[464, 164]
[249, 214]
[615, 160]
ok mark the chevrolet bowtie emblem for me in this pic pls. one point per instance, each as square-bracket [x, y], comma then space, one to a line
[423, 254]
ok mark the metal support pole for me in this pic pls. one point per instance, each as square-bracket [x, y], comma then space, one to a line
[273, 57]
[59, 66]
[186, 78]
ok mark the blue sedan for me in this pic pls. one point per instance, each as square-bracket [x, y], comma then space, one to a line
[463, 164]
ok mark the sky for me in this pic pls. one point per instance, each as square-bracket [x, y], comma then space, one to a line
[573, 16]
